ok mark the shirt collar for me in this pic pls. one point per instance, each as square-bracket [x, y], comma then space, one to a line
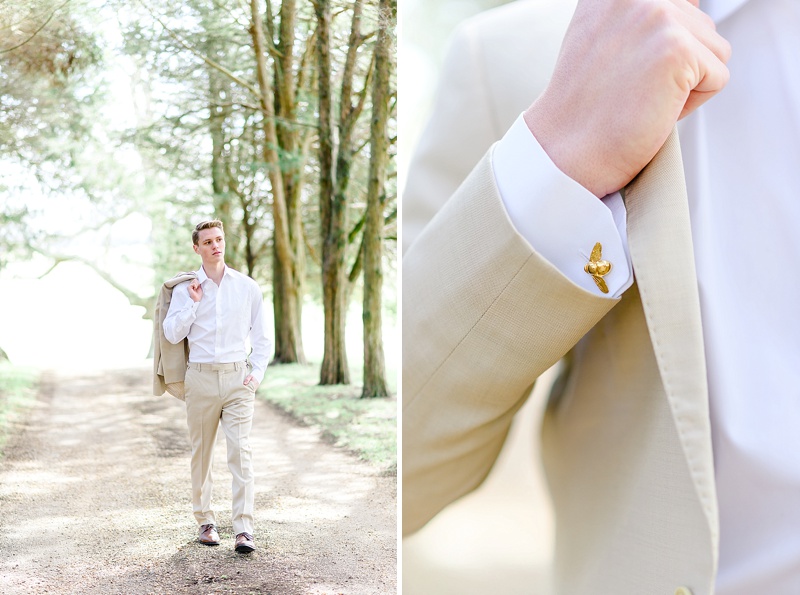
[201, 273]
[720, 10]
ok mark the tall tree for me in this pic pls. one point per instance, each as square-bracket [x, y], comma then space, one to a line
[288, 340]
[372, 244]
[294, 142]
[332, 214]
[336, 163]
[259, 143]
[219, 110]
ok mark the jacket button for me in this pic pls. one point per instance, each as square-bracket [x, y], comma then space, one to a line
[683, 591]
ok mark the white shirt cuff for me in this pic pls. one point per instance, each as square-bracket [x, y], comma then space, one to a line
[560, 219]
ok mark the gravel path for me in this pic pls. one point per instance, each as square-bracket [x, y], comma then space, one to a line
[95, 499]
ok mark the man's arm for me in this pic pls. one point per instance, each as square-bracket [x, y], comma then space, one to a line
[259, 341]
[484, 314]
[182, 310]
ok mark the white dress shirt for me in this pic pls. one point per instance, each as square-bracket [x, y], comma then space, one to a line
[219, 324]
[741, 156]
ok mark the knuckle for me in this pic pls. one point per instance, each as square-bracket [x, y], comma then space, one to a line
[725, 50]
[656, 14]
[673, 48]
[725, 75]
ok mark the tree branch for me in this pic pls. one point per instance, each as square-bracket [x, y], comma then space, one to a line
[352, 277]
[312, 251]
[38, 30]
[215, 65]
[133, 298]
[260, 109]
[353, 235]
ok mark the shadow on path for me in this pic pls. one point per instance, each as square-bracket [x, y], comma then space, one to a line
[95, 498]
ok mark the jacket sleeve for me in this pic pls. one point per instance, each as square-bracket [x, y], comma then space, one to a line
[483, 316]
[454, 139]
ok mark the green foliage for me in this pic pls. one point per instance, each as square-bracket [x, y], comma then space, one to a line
[17, 390]
[13, 232]
[206, 129]
[202, 126]
[367, 427]
[49, 89]
[48, 86]
[194, 151]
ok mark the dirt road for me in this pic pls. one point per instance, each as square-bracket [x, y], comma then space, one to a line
[95, 499]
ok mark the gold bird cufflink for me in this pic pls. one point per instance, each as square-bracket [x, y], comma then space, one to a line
[598, 268]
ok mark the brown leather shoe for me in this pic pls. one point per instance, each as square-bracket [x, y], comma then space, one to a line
[208, 535]
[244, 543]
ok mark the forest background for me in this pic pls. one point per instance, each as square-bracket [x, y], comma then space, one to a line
[125, 122]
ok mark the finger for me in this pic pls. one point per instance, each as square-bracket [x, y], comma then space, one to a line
[695, 100]
[684, 4]
[714, 75]
[702, 27]
[698, 67]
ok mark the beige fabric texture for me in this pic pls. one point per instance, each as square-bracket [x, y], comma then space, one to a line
[626, 436]
[169, 360]
[216, 396]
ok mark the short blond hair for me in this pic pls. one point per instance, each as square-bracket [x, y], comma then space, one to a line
[205, 225]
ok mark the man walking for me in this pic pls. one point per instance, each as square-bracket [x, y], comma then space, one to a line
[216, 312]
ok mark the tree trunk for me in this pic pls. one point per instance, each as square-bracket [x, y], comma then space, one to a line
[334, 368]
[289, 139]
[219, 87]
[288, 342]
[374, 367]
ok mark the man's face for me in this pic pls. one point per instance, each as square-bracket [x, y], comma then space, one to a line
[211, 245]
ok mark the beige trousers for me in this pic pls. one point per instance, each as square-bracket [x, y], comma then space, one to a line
[215, 395]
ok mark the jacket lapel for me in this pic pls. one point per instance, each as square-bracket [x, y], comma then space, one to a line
[660, 241]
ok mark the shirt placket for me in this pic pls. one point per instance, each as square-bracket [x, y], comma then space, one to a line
[218, 309]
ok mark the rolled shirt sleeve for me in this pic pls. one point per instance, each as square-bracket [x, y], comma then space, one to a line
[559, 218]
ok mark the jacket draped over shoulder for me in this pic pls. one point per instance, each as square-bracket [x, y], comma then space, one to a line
[169, 360]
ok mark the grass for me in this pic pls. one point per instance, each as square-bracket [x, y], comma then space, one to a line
[366, 427]
[16, 391]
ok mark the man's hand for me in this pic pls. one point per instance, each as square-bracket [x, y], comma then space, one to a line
[627, 72]
[249, 379]
[195, 290]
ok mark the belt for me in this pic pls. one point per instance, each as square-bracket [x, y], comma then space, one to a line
[217, 367]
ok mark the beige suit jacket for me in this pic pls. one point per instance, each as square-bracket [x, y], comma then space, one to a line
[626, 436]
[169, 361]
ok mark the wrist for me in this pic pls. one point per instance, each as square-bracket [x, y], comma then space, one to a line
[571, 153]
